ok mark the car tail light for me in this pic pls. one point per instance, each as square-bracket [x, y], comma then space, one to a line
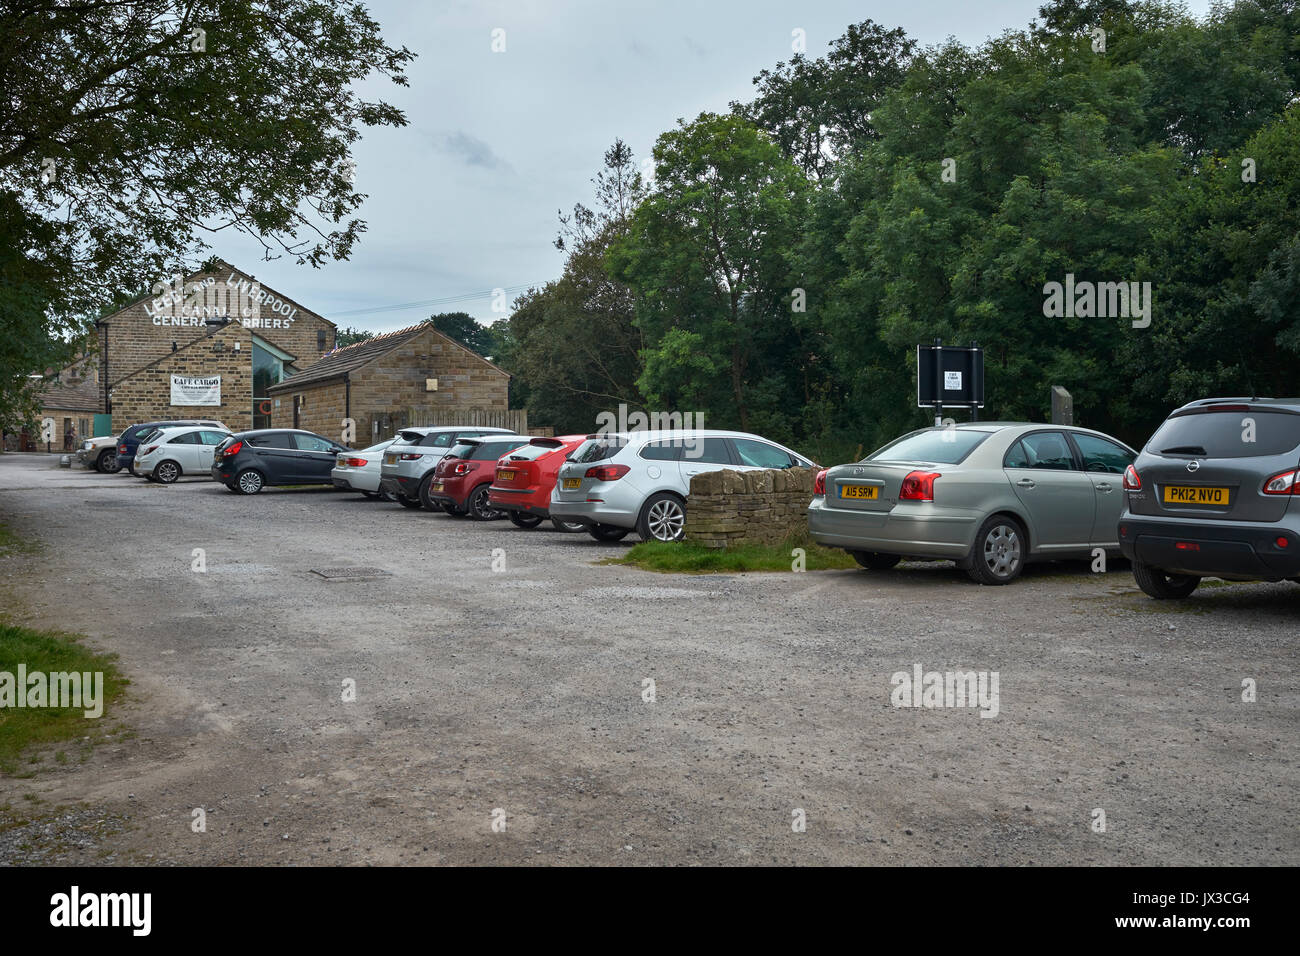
[1283, 484]
[607, 472]
[1187, 546]
[149, 451]
[355, 462]
[233, 450]
[1131, 480]
[461, 468]
[121, 449]
[1282, 542]
[918, 486]
[410, 457]
[819, 484]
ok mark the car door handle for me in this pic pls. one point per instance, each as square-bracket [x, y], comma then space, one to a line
[1026, 482]
[1103, 487]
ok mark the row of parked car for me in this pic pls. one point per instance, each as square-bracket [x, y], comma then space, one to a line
[1213, 492]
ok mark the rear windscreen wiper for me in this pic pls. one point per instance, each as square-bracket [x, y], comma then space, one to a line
[1183, 450]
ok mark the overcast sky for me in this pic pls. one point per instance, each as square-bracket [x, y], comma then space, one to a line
[463, 200]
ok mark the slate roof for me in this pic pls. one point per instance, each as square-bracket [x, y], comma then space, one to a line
[84, 396]
[333, 364]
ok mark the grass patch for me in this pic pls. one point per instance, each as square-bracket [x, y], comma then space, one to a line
[10, 543]
[23, 731]
[685, 558]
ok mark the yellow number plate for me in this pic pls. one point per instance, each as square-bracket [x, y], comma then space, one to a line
[859, 491]
[1185, 495]
[572, 483]
[505, 476]
[390, 459]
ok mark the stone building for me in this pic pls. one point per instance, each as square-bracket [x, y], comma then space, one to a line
[415, 376]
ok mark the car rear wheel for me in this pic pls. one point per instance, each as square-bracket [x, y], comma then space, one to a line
[106, 463]
[423, 494]
[998, 555]
[167, 472]
[1161, 585]
[608, 532]
[663, 518]
[569, 527]
[479, 504]
[249, 481]
[520, 520]
[406, 502]
[874, 561]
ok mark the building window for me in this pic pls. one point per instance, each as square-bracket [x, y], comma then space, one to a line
[320, 340]
[268, 369]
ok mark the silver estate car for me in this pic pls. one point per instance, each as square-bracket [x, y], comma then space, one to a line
[988, 495]
[638, 480]
[409, 461]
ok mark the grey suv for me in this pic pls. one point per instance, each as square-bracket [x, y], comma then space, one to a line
[1214, 493]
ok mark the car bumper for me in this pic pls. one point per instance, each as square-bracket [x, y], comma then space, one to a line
[521, 501]
[1219, 549]
[594, 512]
[404, 485]
[225, 477]
[354, 480]
[929, 533]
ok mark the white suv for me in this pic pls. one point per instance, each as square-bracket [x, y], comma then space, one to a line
[409, 461]
[639, 480]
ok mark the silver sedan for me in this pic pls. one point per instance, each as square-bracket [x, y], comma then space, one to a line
[987, 495]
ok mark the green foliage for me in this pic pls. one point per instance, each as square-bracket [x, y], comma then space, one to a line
[123, 146]
[686, 558]
[465, 329]
[350, 336]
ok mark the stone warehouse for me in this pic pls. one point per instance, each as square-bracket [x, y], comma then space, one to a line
[415, 376]
[209, 345]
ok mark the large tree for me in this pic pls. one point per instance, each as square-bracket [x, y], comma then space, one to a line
[132, 131]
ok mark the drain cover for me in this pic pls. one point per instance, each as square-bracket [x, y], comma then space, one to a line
[350, 574]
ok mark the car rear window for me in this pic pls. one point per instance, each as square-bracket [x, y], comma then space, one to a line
[943, 446]
[1227, 434]
[532, 452]
[600, 448]
[492, 450]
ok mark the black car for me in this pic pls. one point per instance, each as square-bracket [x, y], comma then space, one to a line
[132, 435]
[248, 461]
[1214, 493]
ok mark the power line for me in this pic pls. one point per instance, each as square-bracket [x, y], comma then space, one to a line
[446, 300]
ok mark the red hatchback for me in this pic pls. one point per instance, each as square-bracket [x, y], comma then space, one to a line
[460, 482]
[525, 477]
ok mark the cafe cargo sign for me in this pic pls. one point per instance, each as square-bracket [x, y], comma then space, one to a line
[241, 300]
[196, 390]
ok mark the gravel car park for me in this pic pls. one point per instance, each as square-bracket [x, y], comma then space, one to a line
[524, 688]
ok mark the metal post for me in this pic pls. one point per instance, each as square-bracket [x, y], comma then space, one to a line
[938, 381]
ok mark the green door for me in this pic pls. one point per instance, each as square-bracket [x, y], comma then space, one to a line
[103, 426]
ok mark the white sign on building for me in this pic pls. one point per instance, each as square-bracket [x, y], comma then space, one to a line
[196, 390]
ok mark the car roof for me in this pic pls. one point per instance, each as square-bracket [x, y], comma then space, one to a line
[660, 434]
[1238, 400]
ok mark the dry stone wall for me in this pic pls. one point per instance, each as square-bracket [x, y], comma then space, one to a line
[728, 508]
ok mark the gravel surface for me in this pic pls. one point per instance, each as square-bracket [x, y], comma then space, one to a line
[524, 691]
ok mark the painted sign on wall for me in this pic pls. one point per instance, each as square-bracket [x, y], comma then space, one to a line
[196, 390]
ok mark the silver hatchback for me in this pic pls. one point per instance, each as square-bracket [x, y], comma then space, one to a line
[989, 496]
[639, 480]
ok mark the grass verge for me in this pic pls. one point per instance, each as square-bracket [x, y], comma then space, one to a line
[35, 728]
[685, 558]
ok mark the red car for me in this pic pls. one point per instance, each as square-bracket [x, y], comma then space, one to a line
[460, 482]
[525, 477]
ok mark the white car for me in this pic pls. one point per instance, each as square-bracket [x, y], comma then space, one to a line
[167, 453]
[639, 480]
[100, 454]
[359, 470]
